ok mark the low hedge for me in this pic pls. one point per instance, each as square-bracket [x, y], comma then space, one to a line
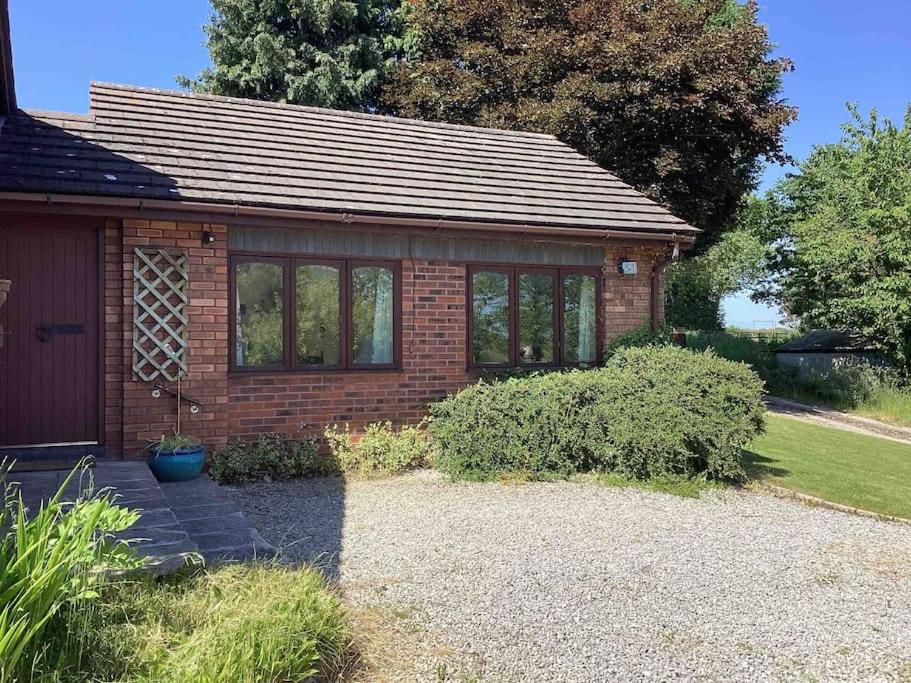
[273, 456]
[649, 412]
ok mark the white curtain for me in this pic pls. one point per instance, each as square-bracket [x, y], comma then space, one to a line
[382, 318]
[585, 348]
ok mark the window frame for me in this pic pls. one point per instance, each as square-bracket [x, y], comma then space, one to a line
[289, 263]
[513, 271]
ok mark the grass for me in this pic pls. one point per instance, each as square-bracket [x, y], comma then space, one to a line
[888, 405]
[52, 558]
[842, 467]
[234, 623]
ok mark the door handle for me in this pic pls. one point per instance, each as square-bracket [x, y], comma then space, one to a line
[43, 333]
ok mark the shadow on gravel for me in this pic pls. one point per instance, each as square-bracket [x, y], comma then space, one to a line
[310, 528]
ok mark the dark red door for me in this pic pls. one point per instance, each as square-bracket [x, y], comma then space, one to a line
[49, 383]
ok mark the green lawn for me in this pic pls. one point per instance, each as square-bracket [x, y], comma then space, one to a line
[843, 467]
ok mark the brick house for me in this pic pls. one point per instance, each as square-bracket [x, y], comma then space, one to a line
[293, 266]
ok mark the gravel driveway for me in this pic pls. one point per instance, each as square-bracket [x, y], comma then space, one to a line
[568, 581]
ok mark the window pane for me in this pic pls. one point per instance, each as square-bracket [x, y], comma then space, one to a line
[372, 305]
[580, 332]
[490, 318]
[259, 314]
[318, 328]
[536, 318]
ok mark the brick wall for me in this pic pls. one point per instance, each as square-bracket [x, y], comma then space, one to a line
[133, 416]
[433, 347]
[627, 299]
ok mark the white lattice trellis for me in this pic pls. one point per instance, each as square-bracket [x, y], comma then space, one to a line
[159, 313]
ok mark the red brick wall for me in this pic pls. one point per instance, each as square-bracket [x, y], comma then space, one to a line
[141, 417]
[433, 347]
[627, 299]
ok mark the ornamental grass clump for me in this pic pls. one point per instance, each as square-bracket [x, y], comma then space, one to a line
[259, 622]
[651, 412]
[51, 559]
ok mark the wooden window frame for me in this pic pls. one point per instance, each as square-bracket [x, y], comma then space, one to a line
[289, 263]
[513, 272]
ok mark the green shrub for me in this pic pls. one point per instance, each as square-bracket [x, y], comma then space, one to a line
[380, 449]
[650, 412]
[51, 559]
[848, 384]
[758, 355]
[277, 456]
[642, 337]
[234, 623]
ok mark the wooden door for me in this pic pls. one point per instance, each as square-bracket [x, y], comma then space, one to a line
[49, 362]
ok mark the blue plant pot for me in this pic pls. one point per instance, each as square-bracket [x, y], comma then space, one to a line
[181, 465]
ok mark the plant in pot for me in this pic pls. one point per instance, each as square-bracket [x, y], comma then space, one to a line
[177, 457]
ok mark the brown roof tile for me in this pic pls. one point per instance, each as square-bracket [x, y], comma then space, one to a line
[140, 142]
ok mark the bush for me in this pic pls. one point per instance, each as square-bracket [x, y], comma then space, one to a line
[272, 455]
[757, 354]
[650, 412]
[642, 337]
[848, 384]
[380, 449]
[49, 560]
[235, 623]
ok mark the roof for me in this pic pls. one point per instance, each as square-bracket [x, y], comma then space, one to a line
[828, 341]
[7, 84]
[155, 144]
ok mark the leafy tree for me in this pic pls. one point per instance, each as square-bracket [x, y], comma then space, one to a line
[696, 286]
[842, 234]
[679, 97]
[330, 53]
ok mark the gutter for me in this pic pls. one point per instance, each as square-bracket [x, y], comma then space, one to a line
[655, 289]
[234, 213]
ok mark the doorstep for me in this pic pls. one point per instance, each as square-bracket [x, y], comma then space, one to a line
[178, 521]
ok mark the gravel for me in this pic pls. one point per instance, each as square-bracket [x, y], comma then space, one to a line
[569, 581]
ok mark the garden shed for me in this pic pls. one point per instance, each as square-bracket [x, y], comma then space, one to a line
[819, 351]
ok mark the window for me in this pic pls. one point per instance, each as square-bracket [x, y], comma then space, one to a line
[490, 315]
[319, 328]
[314, 314]
[260, 315]
[528, 316]
[537, 321]
[372, 315]
[580, 315]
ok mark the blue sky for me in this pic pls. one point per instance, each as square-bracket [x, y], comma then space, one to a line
[843, 51]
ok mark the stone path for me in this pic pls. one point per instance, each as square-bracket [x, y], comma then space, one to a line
[213, 521]
[837, 419]
[179, 521]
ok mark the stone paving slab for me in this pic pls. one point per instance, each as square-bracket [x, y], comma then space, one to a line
[214, 522]
[177, 520]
